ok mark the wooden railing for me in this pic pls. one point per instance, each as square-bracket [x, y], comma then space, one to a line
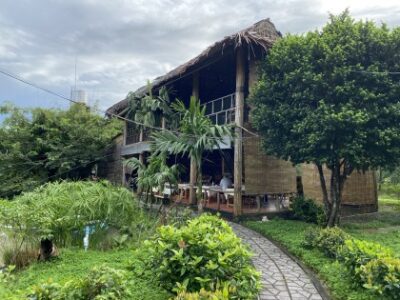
[132, 134]
[221, 110]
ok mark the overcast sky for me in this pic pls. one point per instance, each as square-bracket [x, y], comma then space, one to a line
[119, 44]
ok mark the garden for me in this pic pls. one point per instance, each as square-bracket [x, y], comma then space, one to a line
[63, 236]
[131, 253]
[357, 260]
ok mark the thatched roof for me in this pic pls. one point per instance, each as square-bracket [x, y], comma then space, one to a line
[261, 35]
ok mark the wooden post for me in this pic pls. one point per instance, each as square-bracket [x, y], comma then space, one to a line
[239, 110]
[123, 175]
[125, 133]
[141, 135]
[141, 159]
[163, 123]
[195, 87]
[193, 167]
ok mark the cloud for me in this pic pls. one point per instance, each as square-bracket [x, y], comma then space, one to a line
[119, 44]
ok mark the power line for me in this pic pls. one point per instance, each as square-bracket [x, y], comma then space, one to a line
[38, 87]
[9, 74]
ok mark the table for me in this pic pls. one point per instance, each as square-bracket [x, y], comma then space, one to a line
[228, 193]
[184, 190]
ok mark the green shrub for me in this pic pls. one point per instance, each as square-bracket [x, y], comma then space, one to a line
[100, 284]
[308, 210]
[383, 276]
[202, 254]
[105, 281]
[328, 240]
[7, 274]
[310, 238]
[48, 291]
[206, 295]
[356, 253]
[20, 257]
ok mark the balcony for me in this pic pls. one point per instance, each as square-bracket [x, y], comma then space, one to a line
[221, 111]
[132, 134]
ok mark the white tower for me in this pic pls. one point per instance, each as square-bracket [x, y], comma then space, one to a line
[79, 96]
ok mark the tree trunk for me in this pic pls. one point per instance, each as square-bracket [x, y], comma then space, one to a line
[340, 170]
[325, 198]
[193, 176]
[380, 179]
[47, 250]
[199, 190]
[337, 183]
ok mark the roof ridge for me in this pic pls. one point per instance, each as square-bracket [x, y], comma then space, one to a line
[261, 34]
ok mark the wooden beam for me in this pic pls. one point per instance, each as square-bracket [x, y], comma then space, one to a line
[239, 111]
[196, 86]
[193, 170]
[123, 175]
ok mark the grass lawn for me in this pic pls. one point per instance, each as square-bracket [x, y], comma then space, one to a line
[383, 228]
[290, 233]
[387, 202]
[74, 264]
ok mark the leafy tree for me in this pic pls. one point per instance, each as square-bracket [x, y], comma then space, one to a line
[328, 98]
[195, 135]
[39, 145]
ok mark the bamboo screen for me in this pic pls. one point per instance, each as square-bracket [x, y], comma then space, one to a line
[266, 174]
[360, 188]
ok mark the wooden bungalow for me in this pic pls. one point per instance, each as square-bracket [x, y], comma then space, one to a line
[221, 77]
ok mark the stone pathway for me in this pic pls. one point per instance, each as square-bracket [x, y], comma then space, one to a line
[281, 277]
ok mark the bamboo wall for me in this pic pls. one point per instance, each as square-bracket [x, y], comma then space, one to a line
[266, 174]
[360, 188]
[263, 173]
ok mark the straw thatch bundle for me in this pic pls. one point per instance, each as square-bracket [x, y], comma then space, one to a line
[259, 36]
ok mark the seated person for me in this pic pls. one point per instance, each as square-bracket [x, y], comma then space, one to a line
[226, 181]
[206, 179]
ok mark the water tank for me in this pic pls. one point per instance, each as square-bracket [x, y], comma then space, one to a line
[79, 96]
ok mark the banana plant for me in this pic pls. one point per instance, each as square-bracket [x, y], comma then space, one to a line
[155, 174]
[150, 110]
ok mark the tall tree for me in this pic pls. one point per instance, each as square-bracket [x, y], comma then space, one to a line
[40, 145]
[329, 97]
[195, 135]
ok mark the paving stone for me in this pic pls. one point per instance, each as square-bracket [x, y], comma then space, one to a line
[281, 277]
